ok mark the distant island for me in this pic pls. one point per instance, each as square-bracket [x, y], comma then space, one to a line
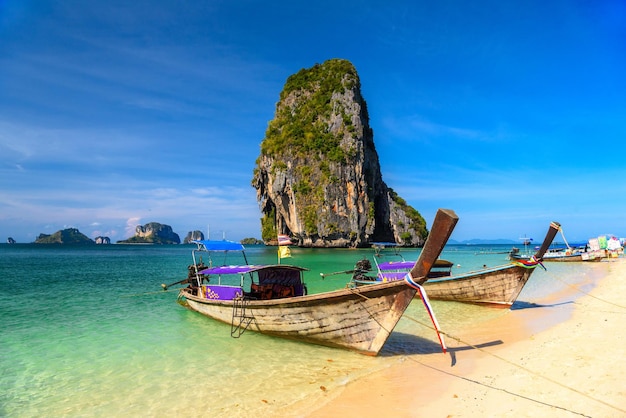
[153, 233]
[150, 233]
[103, 240]
[65, 236]
[251, 241]
[193, 236]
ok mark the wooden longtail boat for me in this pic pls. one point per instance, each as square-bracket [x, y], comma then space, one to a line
[497, 286]
[358, 319]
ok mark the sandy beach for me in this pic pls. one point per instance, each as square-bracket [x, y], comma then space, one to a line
[514, 367]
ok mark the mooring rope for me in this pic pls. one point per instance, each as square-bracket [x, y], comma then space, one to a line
[519, 366]
[585, 293]
[353, 290]
[150, 293]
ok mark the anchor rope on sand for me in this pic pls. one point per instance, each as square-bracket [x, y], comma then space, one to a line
[586, 293]
[519, 366]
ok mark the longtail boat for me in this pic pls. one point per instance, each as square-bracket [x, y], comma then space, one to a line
[498, 286]
[272, 299]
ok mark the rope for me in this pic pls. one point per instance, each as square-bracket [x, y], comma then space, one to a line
[586, 293]
[150, 293]
[531, 263]
[496, 388]
[353, 290]
[564, 240]
[527, 370]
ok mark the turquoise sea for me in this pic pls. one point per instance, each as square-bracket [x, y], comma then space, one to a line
[88, 331]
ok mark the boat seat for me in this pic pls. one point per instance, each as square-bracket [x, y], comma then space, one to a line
[271, 291]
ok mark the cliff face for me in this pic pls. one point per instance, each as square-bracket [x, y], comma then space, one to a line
[318, 177]
[193, 236]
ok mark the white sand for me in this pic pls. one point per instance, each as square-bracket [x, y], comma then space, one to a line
[575, 368]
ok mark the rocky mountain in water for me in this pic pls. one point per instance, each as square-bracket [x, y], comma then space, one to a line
[65, 236]
[318, 177]
[193, 236]
[153, 233]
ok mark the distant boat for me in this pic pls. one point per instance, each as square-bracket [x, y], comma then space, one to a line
[380, 246]
[272, 299]
[563, 255]
[526, 241]
[589, 252]
[497, 286]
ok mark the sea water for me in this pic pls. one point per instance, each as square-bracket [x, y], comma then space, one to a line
[88, 331]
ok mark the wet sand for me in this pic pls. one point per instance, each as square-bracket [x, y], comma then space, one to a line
[515, 366]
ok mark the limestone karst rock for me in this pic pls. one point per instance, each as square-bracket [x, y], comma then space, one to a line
[153, 233]
[318, 176]
[193, 236]
[102, 240]
[64, 236]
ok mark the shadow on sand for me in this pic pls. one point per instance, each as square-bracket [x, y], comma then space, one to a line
[528, 305]
[406, 344]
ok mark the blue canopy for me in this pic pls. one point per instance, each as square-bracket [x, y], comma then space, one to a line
[224, 245]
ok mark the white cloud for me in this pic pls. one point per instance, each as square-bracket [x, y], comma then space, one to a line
[131, 225]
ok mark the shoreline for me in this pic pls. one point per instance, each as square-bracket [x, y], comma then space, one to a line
[515, 366]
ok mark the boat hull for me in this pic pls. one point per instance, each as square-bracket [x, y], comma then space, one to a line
[359, 319]
[567, 258]
[499, 286]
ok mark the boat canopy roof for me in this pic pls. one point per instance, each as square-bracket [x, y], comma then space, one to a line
[396, 265]
[408, 265]
[208, 245]
[249, 269]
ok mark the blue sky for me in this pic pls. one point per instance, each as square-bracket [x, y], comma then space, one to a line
[114, 114]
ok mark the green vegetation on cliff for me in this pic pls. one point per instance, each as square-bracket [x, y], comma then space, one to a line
[417, 222]
[251, 241]
[268, 225]
[301, 128]
[151, 239]
[65, 236]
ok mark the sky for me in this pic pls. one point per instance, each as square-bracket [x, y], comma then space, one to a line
[115, 114]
